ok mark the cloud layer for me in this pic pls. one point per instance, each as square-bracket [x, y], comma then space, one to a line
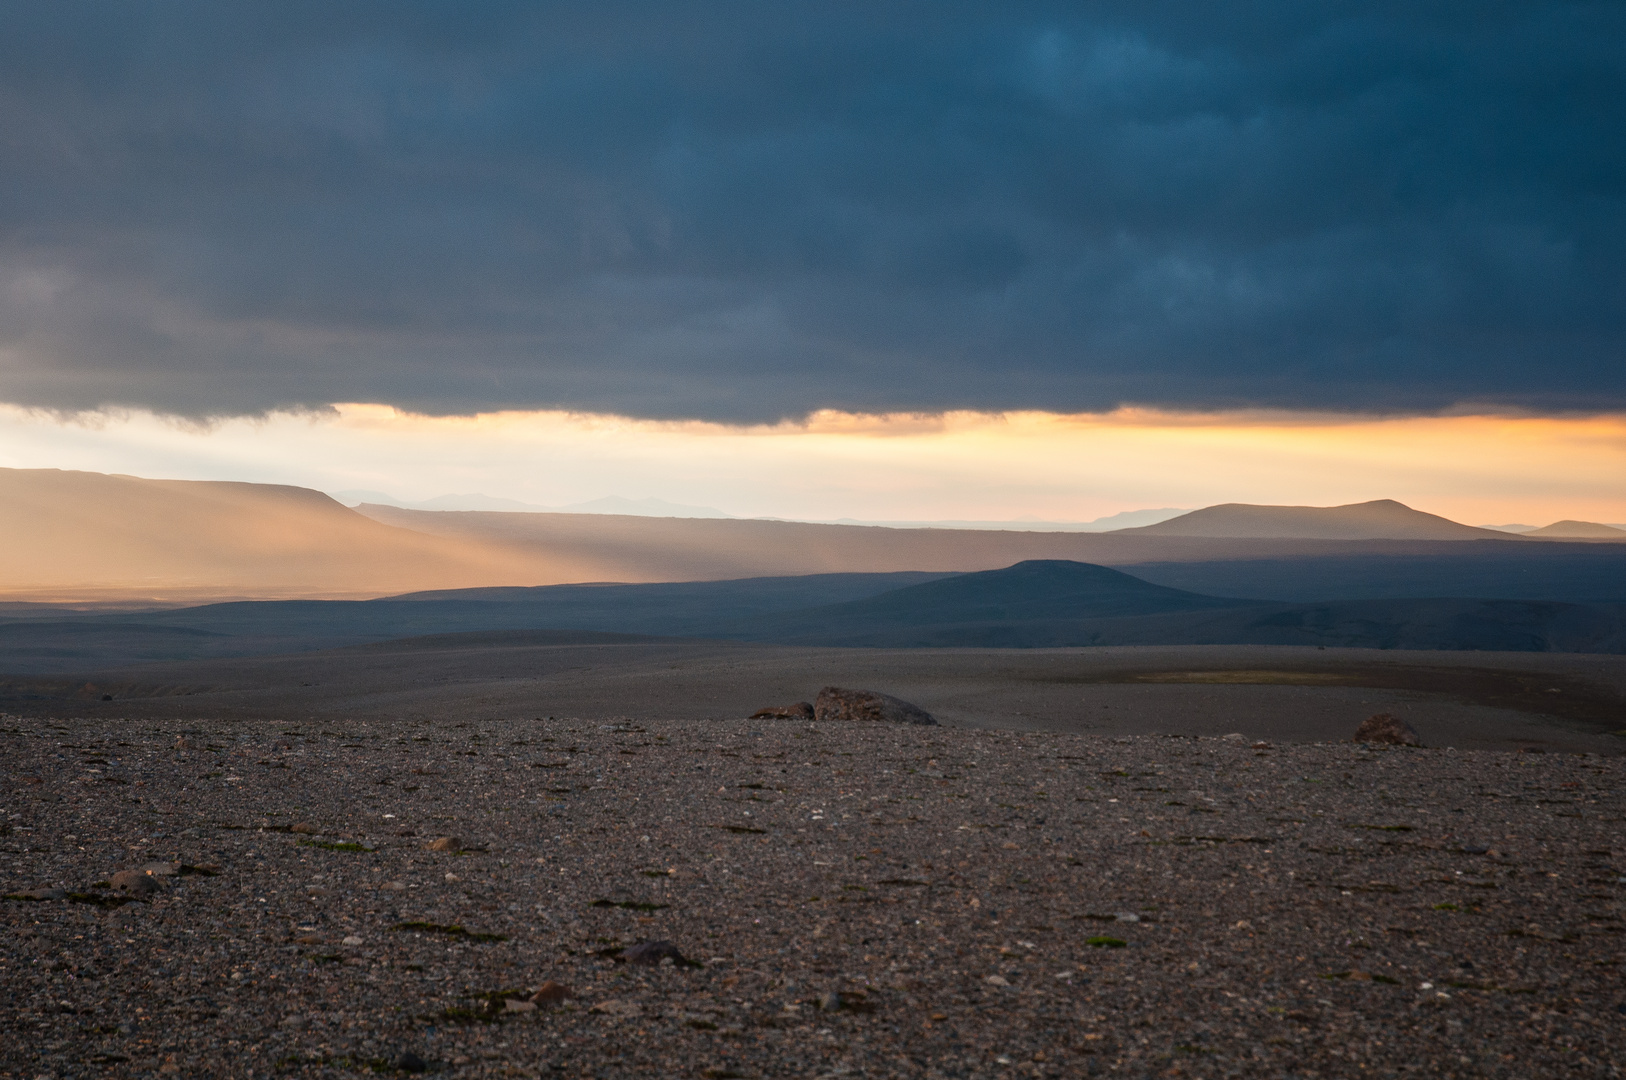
[754, 210]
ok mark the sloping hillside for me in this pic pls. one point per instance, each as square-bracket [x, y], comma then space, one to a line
[1382, 519]
[78, 534]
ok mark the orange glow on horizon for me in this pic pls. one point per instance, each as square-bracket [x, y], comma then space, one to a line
[1475, 468]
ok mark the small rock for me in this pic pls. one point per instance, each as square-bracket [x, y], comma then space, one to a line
[1235, 736]
[351, 940]
[1261, 746]
[852, 1001]
[1384, 728]
[135, 883]
[550, 994]
[444, 843]
[42, 894]
[834, 703]
[304, 828]
[651, 953]
[618, 1008]
[293, 1022]
[160, 869]
[411, 1063]
[394, 886]
[802, 710]
[997, 980]
[518, 1005]
[181, 743]
[1126, 916]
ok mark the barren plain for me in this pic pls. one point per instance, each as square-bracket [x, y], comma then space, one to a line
[1078, 874]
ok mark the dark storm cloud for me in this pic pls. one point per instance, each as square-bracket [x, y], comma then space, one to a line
[752, 210]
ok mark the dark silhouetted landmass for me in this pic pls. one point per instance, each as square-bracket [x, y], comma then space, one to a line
[1039, 604]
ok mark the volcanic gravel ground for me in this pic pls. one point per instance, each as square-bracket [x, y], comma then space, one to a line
[861, 900]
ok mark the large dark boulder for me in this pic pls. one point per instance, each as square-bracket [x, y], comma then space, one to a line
[835, 703]
[1384, 728]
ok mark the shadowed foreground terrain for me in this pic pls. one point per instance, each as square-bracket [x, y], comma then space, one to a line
[1506, 701]
[856, 901]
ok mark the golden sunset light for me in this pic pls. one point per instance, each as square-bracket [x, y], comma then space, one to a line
[961, 465]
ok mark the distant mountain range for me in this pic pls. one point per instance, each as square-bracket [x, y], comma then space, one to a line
[98, 539]
[612, 504]
[1563, 529]
[1382, 519]
[1579, 530]
[1110, 523]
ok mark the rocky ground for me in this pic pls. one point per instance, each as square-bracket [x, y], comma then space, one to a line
[848, 900]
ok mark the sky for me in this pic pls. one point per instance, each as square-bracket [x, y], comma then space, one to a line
[756, 215]
[909, 467]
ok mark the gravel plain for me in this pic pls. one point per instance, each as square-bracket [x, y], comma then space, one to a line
[849, 900]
